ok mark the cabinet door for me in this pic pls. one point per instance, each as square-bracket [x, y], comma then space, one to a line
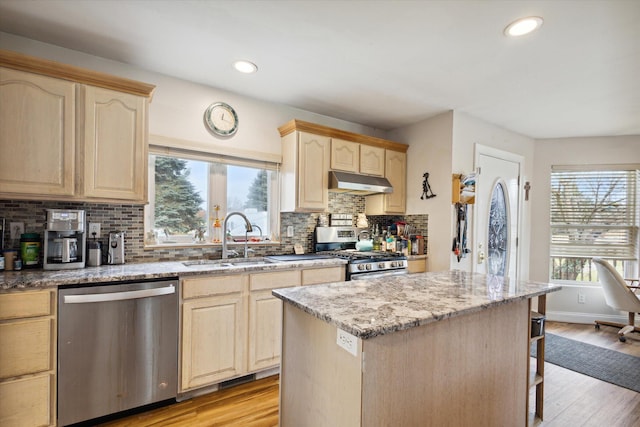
[115, 146]
[313, 172]
[265, 330]
[371, 160]
[345, 155]
[25, 347]
[213, 340]
[37, 135]
[396, 173]
[27, 402]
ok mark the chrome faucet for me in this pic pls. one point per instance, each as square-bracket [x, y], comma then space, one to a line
[249, 229]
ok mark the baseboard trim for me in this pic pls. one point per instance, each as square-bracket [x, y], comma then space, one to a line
[586, 318]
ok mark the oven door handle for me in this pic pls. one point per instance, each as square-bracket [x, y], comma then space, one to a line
[364, 276]
[119, 296]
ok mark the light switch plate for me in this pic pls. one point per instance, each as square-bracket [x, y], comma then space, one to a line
[348, 342]
[94, 227]
[290, 231]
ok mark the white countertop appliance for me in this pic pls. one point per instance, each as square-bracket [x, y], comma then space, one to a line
[341, 242]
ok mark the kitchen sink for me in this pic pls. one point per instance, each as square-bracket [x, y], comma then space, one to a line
[227, 263]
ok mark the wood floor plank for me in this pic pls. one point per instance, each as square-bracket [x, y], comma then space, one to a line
[571, 399]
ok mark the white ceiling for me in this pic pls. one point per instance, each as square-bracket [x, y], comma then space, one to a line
[383, 64]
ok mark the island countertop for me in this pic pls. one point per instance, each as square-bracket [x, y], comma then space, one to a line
[371, 307]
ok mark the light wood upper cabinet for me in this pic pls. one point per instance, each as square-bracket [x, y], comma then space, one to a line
[68, 133]
[371, 160]
[357, 158]
[37, 134]
[305, 172]
[309, 151]
[396, 173]
[28, 358]
[345, 155]
[115, 148]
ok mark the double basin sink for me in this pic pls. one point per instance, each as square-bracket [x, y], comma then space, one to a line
[227, 263]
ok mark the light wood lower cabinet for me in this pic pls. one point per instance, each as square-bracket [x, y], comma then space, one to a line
[232, 325]
[265, 317]
[213, 329]
[28, 358]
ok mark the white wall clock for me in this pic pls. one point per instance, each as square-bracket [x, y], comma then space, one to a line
[221, 118]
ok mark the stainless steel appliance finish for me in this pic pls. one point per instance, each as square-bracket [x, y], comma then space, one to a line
[341, 242]
[64, 240]
[358, 184]
[117, 348]
[116, 248]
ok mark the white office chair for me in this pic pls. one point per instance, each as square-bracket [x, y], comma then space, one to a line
[618, 296]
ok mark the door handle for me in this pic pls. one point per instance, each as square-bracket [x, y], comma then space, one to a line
[119, 296]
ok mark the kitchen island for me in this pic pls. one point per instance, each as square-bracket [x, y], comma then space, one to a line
[428, 349]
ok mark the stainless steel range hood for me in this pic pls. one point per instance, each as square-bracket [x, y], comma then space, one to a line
[359, 184]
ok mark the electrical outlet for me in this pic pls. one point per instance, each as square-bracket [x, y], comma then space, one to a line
[290, 231]
[16, 229]
[94, 227]
[582, 299]
[348, 342]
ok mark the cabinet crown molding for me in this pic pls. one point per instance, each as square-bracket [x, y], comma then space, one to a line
[302, 126]
[31, 64]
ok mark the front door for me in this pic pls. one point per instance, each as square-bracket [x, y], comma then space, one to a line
[497, 202]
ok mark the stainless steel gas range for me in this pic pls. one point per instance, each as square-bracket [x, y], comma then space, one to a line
[341, 242]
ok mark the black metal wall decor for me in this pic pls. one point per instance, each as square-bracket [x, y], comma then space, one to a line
[427, 193]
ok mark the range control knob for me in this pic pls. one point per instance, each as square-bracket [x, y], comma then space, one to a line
[381, 265]
[394, 264]
[368, 266]
[360, 266]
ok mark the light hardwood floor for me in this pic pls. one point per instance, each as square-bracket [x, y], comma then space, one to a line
[571, 399]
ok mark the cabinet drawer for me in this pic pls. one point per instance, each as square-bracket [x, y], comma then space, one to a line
[314, 276]
[25, 304]
[27, 402]
[275, 279]
[212, 285]
[25, 347]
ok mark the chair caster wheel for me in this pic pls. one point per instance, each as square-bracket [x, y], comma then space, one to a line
[622, 339]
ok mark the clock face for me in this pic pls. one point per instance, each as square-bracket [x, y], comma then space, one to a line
[221, 119]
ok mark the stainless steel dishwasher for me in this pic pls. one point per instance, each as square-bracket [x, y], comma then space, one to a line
[117, 348]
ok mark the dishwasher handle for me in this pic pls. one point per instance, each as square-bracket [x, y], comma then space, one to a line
[119, 296]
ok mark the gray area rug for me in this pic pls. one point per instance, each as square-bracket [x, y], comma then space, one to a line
[597, 362]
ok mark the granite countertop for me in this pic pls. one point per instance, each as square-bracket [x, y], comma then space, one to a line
[368, 308]
[34, 279]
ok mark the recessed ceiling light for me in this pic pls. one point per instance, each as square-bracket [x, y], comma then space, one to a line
[523, 26]
[246, 67]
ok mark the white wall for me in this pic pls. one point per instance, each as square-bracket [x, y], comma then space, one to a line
[178, 106]
[430, 151]
[564, 305]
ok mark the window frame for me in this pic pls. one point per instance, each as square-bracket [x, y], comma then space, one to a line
[217, 185]
[627, 263]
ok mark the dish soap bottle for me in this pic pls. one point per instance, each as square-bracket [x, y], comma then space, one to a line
[217, 227]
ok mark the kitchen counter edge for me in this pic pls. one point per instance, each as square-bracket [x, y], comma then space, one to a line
[40, 279]
[372, 307]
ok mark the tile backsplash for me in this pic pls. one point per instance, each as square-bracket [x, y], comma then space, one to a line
[130, 219]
